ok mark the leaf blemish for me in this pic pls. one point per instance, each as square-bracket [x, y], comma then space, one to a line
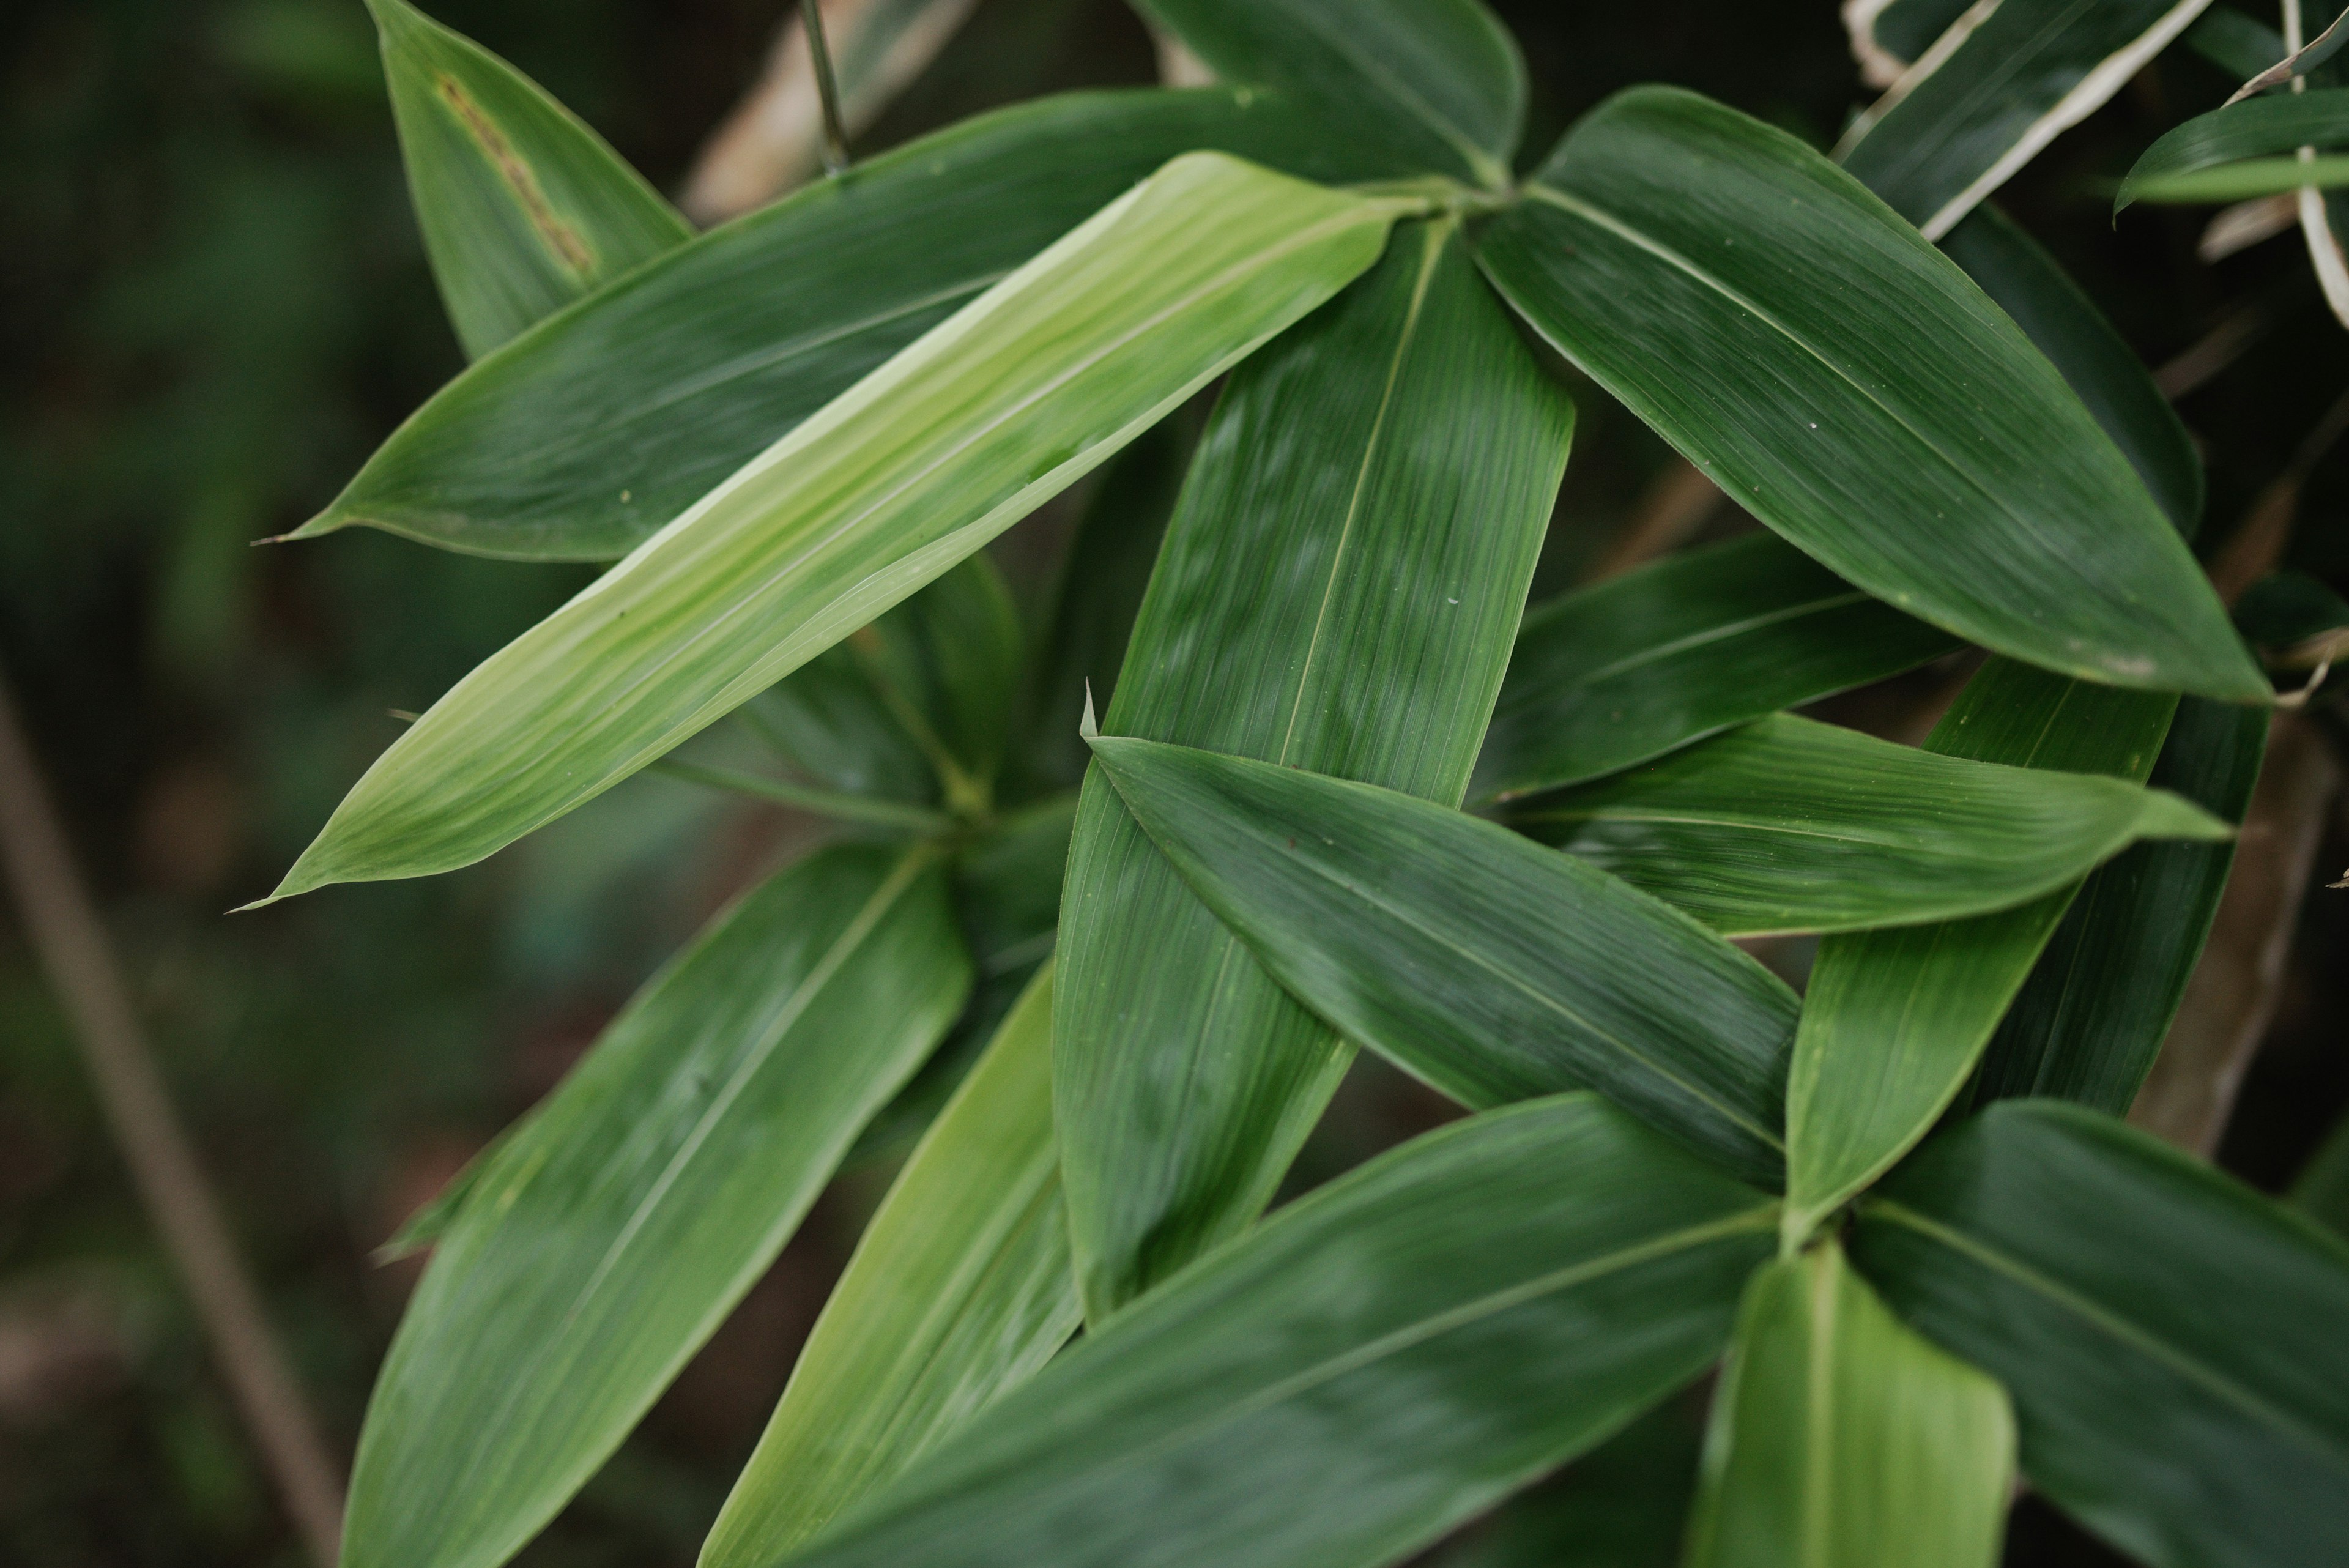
[570, 249]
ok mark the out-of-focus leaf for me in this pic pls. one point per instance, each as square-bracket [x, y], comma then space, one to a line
[583, 438]
[1843, 398]
[1889, 35]
[2240, 182]
[2090, 1018]
[913, 469]
[1432, 86]
[612, 1233]
[1787, 825]
[2301, 61]
[1490, 967]
[2322, 1191]
[2236, 43]
[1956, 126]
[959, 1289]
[1837, 1432]
[1894, 1021]
[1683, 649]
[1372, 1365]
[2243, 131]
[1618, 1506]
[1337, 591]
[2029, 285]
[2296, 621]
[2170, 1338]
[523, 208]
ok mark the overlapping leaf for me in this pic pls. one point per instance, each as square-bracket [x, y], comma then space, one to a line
[2211, 142]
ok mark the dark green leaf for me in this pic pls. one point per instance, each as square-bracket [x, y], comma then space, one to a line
[2171, 1339]
[2236, 43]
[2321, 1191]
[1337, 591]
[1901, 30]
[1494, 969]
[2296, 620]
[1618, 1506]
[1683, 649]
[2301, 61]
[2254, 127]
[1840, 379]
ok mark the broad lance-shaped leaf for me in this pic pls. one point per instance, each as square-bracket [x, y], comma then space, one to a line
[586, 435]
[611, 1232]
[1841, 400]
[959, 1289]
[1435, 86]
[1375, 1363]
[1837, 1432]
[2003, 84]
[1494, 969]
[523, 208]
[1336, 591]
[1894, 1021]
[2250, 128]
[918, 465]
[2171, 1339]
[1787, 825]
[1679, 650]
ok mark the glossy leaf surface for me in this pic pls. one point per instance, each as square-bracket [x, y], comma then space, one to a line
[2170, 1338]
[1837, 1432]
[523, 208]
[1491, 969]
[2255, 127]
[580, 440]
[1679, 650]
[1337, 591]
[1787, 825]
[1373, 1363]
[919, 464]
[1841, 399]
[959, 1289]
[611, 1232]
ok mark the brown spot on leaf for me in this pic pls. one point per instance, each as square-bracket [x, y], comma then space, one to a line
[569, 247]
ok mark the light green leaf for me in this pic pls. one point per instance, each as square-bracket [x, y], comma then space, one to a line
[1679, 650]
[1787, 825]
[1491, 969]
[2242, 180]
[2205, 145]
[2171, 1339]
[919, 464]
[614, 1230]
[523, 208]
[1837, 1433]
[1844, 399]
[1894, 1021]
[1372, 1365]
[1337, 591]
[959, 1289]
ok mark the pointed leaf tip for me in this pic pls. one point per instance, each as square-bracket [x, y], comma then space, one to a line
[1086, 728]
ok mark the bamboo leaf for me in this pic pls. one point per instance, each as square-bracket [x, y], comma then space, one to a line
[1889, 36]
[2301, 61]
[1431, 86]
[959, 1289]
[1679, 650]
[1618, 1506]
[1843, 398]
[1791, 826]
[1491, 969]
[1373, 1363]
[2254, 127]
[1989, 96]
[1837, 1430]
[1336, 591]
[2236, 43]
[523, 208]
[580, 440]
[917, 466]
[1894, 1021]
[2170, 1338]
[613, 1231]
[2242, 181]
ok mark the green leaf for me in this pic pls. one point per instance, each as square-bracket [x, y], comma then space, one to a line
[915, 467]
[1841, 400]
[1337, 591]
[1420, 86]
[2283, 123]
[2236, 43]
[2171, 1339]
[1894, 1021]
[1679, 650]
[1956, 128]
[2092, 1016]
[523, 208]
[2027, 283]
[583, 438]
[959, 1289]
[2242, 181]
[2296, 620]
[1901, 29]
[1373, 1363]
[1838, 1431]
[2322, 1191]
[1787, 825]
[1618, 1506]
[1491, 969]
[615, 1229]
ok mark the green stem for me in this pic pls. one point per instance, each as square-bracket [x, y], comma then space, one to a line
[822, 801]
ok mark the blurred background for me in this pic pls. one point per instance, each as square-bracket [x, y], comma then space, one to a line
[214, 304]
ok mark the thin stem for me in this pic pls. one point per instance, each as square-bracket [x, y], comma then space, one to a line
[827, 89]
[804, 797]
